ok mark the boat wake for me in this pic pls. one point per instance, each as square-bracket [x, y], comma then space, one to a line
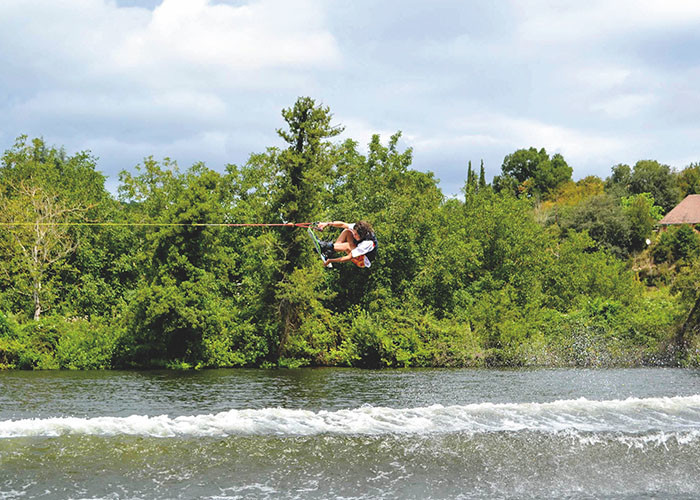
[646, 419]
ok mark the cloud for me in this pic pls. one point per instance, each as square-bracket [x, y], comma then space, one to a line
[67, 105]
[625, 106]
[600, 82]
[220, 45]
[571, 22]
[92, 74]
[485, 133]
[178, 39]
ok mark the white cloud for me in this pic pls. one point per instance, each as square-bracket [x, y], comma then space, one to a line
[602, 77]
[195, 36]
[572, 21]
[575, 144]
[426, 144]
[509, 133]
[206, 80]
[167, 104]
[90, 74]
[80, 41]
[625, 106]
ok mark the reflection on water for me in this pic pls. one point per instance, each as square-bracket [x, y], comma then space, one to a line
[87, 394]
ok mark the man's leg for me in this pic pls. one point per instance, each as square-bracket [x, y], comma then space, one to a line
[345, 242]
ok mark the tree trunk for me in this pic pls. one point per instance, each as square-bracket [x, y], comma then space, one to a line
[37, 300]
[36, 285]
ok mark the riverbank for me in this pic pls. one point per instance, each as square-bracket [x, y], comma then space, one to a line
[55, 343]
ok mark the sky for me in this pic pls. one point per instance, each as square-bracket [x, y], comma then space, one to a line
[600, 82]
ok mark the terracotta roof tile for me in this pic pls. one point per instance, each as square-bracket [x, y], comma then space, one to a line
[686, 212]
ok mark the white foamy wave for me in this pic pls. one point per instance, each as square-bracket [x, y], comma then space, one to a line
[662, 416]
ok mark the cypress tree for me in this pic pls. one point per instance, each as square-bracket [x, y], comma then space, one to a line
[482, 176]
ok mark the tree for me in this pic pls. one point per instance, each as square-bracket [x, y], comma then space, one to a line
[688, 180]
[618, 184]
[471, 185]
[650, 176]
[602, 217]
[552, 174]
[572, 193]
[49, 190]
[643, 215]
[677, 243]
[185, 309]
[534, 172]
[304, 169]
[578, 271]
[687, 284]
[304, 174]
[38, 239]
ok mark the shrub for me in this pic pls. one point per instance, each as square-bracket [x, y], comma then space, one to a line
[39, 340]
[85, 345]
[676, 243]
[10, 347]
[405, 338]
[6, 329]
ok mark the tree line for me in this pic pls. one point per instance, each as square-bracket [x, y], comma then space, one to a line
[531, 269]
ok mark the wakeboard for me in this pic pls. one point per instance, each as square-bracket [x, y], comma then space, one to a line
[317, 245]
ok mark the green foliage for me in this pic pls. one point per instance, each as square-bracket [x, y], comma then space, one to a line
[86, 345]
[577, 274]
[619, 227]
[74, 178]
[677, 243]
[313, 333]
[618, 184]
[56, 342]
[572, 193]
[482, 176]
[642, 214]
[531, 271]
[6, 328]
[9, 347]
[405, 338]
[598, 333]
[43, 189]
[533, 171]
[688, 180]
[603, 219]
[652, 177]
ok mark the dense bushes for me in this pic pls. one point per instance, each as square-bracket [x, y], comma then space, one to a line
[535, 274]
[54, 342]
[677, 243]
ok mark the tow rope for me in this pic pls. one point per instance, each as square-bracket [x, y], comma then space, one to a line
[183, 224]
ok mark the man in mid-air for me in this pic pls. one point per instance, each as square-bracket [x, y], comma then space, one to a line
[358, 241]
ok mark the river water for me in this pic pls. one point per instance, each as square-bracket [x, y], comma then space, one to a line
[342, 433]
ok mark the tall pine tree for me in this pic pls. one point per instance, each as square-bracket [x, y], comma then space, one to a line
[304, 170]
[482, 176]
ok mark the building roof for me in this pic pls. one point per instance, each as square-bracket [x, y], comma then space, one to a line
[686, 212]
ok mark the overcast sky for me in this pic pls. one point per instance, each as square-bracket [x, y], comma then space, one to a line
[601, 82]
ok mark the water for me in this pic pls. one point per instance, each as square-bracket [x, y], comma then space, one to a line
[334, 433]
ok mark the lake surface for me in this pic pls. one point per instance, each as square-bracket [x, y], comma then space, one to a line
[342, 433]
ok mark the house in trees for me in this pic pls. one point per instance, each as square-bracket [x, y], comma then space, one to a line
[686, 212]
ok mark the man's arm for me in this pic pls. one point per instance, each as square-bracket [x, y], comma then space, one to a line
[337, 223]
[344, 258]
